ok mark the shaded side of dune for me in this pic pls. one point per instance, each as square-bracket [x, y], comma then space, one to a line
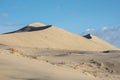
[30, 29]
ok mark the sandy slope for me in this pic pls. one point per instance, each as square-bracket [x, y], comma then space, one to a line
[51, 64]
[17, 67]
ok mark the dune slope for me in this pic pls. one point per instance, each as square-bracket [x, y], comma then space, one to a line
[97, 40]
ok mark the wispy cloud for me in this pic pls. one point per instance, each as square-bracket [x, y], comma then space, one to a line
[90, 29]
[11, 24]
[104, 28]
[4, 15]
[110, 34]
[14, 6]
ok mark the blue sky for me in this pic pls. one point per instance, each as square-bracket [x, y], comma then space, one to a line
[72, 15]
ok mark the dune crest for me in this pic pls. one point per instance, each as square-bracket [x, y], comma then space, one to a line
[37, 24]
[31, 27]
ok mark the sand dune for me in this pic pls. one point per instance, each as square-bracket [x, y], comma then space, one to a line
[52, 37]
[46, 52]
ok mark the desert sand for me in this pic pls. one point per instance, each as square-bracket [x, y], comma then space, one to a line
[46, 52]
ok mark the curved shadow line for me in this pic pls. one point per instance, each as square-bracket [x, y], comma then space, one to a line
[30, 29]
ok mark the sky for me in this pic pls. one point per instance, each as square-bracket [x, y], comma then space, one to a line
[77, 16]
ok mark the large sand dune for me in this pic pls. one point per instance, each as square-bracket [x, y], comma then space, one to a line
[45, 52]
[51, 37]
